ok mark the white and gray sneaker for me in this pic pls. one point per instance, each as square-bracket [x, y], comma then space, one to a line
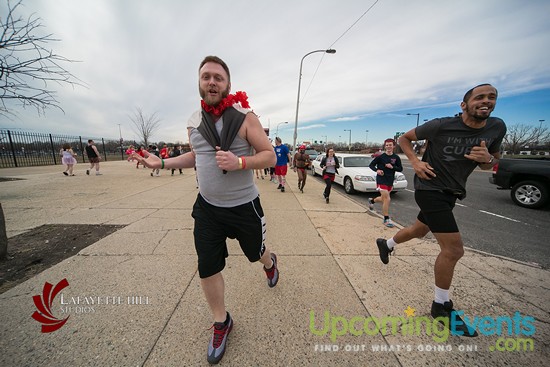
[218, 342]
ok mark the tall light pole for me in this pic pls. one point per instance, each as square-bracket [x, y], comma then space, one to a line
[349, 144]
[539, 130]
[366, 138]
[417, 117]
[329, 51]
[121, 149]
[277, 132]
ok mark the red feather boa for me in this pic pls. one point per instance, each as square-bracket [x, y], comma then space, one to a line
[230, 100]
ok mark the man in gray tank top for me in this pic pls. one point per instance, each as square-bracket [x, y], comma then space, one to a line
[223, 135]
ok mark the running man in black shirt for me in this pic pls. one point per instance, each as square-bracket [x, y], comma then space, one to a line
[457, 145]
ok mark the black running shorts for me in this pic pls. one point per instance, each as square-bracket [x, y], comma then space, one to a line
[436, 210]
[213, 225]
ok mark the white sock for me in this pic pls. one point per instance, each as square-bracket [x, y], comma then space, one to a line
[391, 243]
[441, 295]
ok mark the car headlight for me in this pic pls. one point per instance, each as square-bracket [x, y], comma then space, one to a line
[400, 178]
[364, 178]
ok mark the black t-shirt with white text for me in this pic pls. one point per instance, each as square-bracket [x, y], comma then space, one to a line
[449, 139]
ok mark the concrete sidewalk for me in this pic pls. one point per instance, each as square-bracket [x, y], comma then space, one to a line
[153, 312]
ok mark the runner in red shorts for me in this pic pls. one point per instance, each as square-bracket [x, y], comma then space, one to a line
[385, 166]
[281, 167]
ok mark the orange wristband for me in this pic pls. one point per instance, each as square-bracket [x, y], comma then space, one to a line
[244, 162]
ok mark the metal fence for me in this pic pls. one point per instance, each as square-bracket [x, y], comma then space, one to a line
[26, 149]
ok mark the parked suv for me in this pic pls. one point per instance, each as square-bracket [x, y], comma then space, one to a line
[312, 154]
[528, 179]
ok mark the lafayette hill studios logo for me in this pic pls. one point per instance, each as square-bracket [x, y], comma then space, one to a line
[43, 304]
[80, 304]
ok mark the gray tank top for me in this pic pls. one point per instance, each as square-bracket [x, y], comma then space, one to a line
[223, 190]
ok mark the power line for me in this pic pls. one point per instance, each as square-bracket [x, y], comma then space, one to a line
[357, 21]
[333, 43]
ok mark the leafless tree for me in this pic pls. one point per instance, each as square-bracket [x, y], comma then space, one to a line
[520, 135]
[145, 126]
[27, 66]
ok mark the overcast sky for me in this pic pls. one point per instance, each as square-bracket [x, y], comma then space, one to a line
[402, 57]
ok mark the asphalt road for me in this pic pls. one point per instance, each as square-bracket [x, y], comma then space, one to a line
[488, 219]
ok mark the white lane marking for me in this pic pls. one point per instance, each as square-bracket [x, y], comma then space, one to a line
[409, 190]
[500, 216]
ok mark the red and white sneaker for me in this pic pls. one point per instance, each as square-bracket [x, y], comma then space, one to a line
[273, 273]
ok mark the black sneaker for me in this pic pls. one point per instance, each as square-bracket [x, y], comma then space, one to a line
[87, 171]
[326, 199]
[273, 273]
[384, 250]
[451, 319]
[370, 203]
[216, 346]
[282, 189]
[65, 173]
[279, 187]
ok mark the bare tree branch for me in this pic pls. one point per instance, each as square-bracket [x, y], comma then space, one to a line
[27, 67]
[521, 135]
[145, 126]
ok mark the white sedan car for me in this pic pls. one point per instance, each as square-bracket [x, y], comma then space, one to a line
[355, 175]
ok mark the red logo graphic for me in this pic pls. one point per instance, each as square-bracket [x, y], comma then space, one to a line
[44, 305]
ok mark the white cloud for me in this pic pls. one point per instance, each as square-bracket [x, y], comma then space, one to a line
[309, 127]
[402, 55]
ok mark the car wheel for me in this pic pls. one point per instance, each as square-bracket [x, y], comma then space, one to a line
[313, 171]
[348, 186]
[529, 194]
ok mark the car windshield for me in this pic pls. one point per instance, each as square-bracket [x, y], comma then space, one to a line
[357, 161]
[311, 151]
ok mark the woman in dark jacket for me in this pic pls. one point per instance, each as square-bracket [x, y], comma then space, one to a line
[330, 166]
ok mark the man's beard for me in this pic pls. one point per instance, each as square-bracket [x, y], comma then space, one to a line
[473, 114]
[213, 101]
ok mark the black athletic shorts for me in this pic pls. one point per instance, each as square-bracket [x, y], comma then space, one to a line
[213, 225]
[436, 210]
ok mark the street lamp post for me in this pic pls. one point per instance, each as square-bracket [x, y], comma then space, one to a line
[121, 149]
[539, 130]
[417, 117]
[277, 132]
[349, 144]
[366, 139]
[328, 51]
